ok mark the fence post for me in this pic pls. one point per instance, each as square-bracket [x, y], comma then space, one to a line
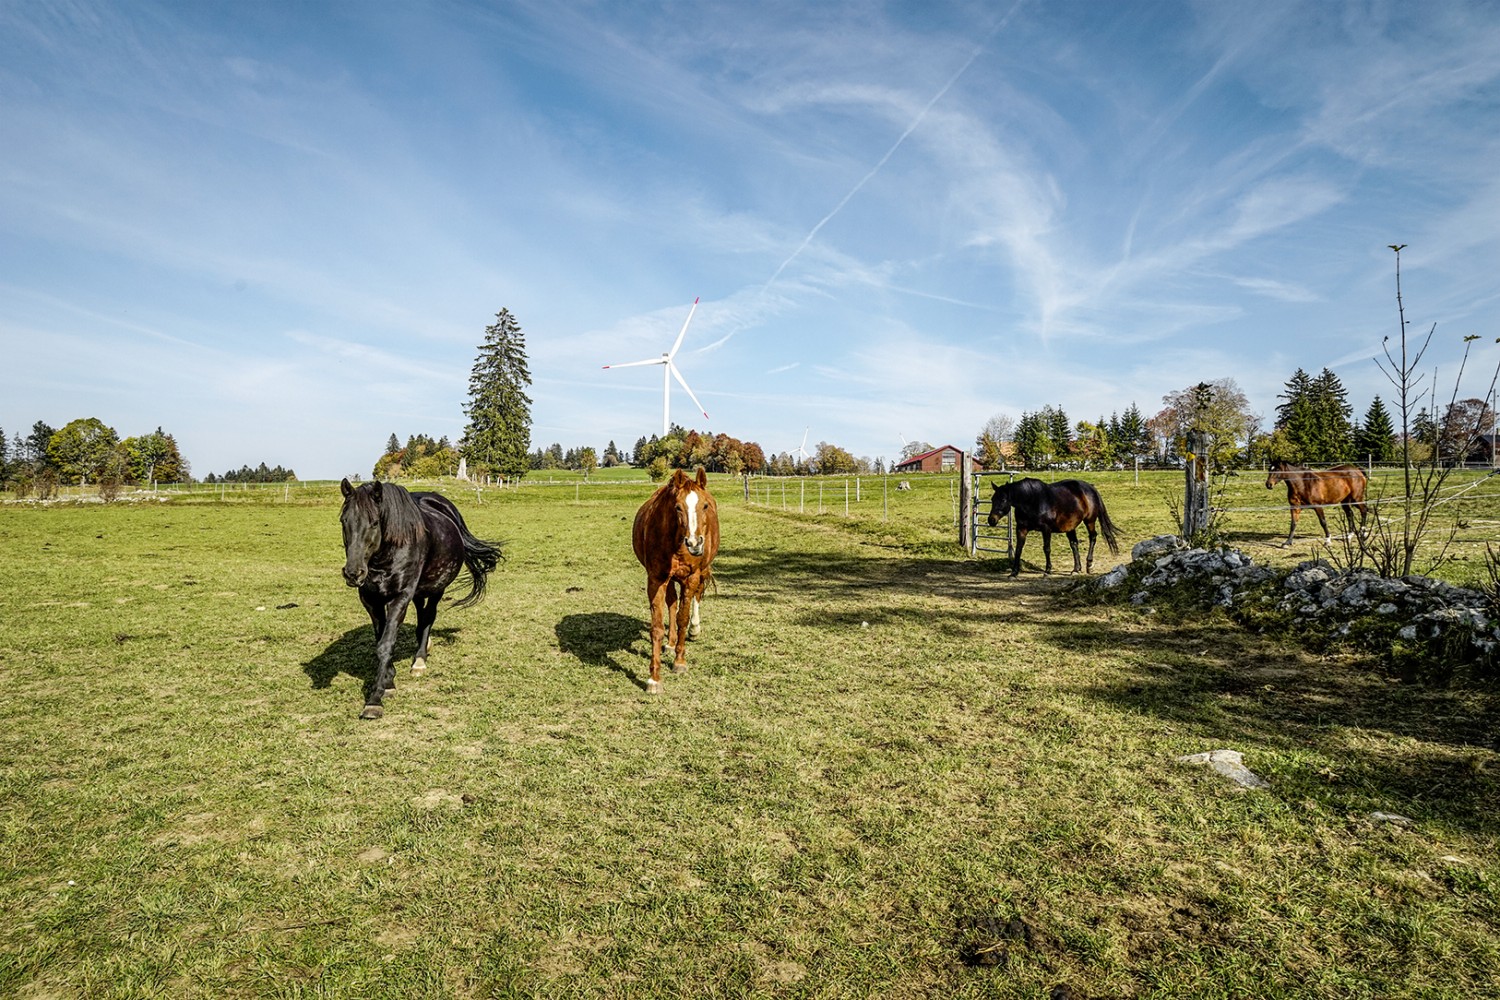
[966, 502]
[1195, 493]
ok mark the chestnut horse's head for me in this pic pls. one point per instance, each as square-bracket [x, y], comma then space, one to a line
[696, 512]
[1277, 472]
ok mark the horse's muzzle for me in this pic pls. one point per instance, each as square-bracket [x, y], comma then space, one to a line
[354, 577]
[694, 546]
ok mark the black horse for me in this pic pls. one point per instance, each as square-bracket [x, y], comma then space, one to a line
[1052, 507]
[400, 548]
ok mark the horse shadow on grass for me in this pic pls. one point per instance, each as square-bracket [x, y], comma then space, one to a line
[596, 639]
[353, 653]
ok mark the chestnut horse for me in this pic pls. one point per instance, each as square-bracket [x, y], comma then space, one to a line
[676, 537]
[1044, 507]
[1319, 488]
[401, 549]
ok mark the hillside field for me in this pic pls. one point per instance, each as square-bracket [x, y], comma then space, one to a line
[890, 770]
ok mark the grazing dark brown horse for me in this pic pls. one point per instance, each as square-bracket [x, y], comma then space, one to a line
[676, 537]
[1318, 488]
[400, 549]
[1045, 507]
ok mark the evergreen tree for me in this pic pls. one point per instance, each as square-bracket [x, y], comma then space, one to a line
[498, 435]
[1332, 437]
[1295, 419]
[1059, 430]
[1377, 436]
[393, 444]
[1032, 440]
[1133, 439]
[36, 444]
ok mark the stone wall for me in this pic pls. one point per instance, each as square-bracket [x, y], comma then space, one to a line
[1423, 627]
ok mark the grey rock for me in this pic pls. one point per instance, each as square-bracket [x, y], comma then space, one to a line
[1229, 763]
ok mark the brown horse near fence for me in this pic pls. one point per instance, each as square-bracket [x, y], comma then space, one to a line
[1318, 488]
[676, 537]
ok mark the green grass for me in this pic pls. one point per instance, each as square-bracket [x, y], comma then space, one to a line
[889, 771]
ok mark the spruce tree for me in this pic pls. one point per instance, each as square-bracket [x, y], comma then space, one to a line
[1059, 429]
[498, 435]
[1332, 437]
[1134, 438]
[1377, 436]
[1294, 418]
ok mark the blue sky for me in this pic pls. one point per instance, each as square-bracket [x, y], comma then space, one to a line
[278, 230]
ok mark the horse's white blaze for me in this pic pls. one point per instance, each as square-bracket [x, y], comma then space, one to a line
[692, 512]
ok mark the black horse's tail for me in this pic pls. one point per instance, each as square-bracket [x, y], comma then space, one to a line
[1106, 526]
[480, 557]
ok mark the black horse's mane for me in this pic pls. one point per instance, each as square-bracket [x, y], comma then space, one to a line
[399, 516]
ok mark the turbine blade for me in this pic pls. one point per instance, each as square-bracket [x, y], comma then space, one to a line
[683, 382]
[633, 364]
[683, 333]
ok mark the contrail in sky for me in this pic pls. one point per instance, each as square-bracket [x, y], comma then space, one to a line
[890, 152]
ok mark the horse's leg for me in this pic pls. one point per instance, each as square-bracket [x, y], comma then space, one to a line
[1015, 565]
[695, 623]
[656, 594]
[385, 649]
[426, 615]
[680, 631]
[1047, 549]
[1073, 543]
[674, 595]
[1318, 510]
[1093, 536]
[1296, 509]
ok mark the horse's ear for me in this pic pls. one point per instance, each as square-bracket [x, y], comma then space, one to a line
[375, 490]
[702, 477]
[345, 488]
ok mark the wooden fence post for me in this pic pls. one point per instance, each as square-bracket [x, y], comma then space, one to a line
[965, 502]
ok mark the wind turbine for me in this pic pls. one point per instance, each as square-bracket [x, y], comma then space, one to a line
[802, 448]
[669, 372]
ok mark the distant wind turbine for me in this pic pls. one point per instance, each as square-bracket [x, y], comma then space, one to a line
[670, 372]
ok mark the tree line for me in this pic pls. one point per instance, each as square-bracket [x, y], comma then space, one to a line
[88, 451]
[1315, 424]
[85, 451]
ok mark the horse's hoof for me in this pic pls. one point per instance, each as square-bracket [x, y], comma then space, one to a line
[653, 687]
[693, 634]
[372, 712]
[417, 667]
[679, 668]
[389, 691]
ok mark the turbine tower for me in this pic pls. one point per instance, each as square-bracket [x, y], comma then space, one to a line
[669, 372]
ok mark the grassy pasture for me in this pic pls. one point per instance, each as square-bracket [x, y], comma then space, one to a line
[890, 771]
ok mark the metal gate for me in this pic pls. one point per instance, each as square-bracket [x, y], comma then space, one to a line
[983, 538]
